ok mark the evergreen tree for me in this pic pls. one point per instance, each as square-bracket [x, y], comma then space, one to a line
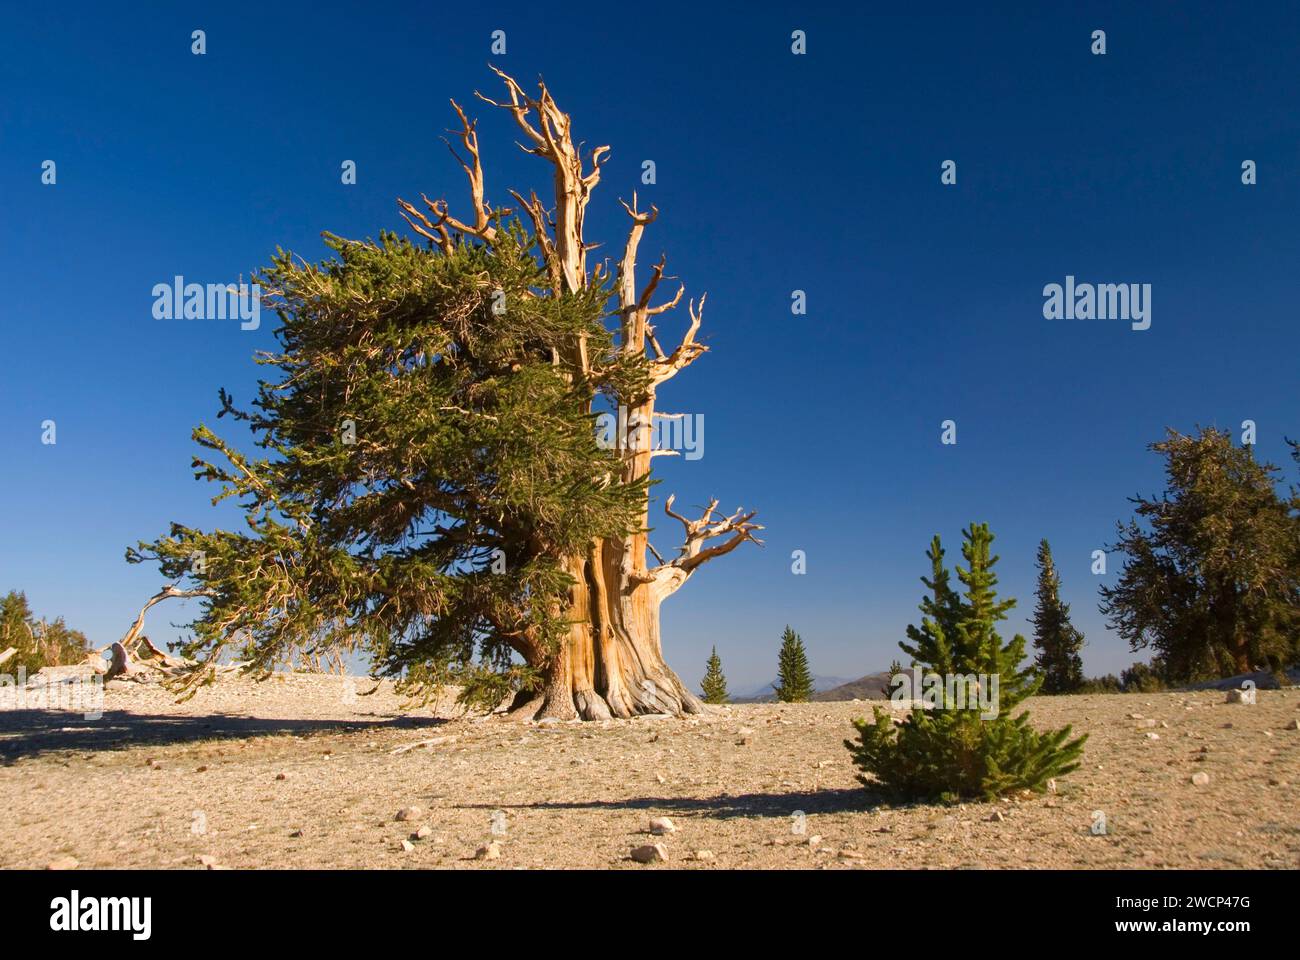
[442, 489]
[714, 684]
[39, 643]
[895, 668]
[1211, 580]
[1057, 640]
[794, 683]
[957, 749]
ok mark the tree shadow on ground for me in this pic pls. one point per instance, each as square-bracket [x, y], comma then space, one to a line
[723, 806]
[27, 733]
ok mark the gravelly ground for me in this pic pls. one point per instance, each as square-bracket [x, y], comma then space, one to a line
[158, 784]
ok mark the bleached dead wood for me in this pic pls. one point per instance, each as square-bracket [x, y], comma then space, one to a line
[418, 744]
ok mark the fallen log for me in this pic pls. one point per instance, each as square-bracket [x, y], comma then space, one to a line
[121, 665]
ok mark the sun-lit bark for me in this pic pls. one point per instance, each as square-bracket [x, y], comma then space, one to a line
[611, 662]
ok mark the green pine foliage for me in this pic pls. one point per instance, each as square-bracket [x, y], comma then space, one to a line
[794, 683]
[887, 688]
[1055, 637]
[38, 642]
[714, 684]
[427, 466]
[1211, 580]
[953, 752]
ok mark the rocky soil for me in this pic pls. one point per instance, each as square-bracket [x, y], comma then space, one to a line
[302, 771]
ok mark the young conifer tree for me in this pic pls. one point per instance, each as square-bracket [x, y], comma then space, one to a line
[962, 748]
[794, 683]
[714, 684]
[1055, 637]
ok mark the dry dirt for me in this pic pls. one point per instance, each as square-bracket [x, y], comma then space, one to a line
[298, 772]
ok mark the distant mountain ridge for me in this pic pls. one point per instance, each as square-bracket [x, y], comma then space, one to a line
[870, 687]
[828, 688]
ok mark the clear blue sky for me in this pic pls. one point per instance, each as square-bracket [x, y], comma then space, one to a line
[775, 172]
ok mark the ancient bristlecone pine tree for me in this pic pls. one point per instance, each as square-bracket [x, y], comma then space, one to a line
[440, 495]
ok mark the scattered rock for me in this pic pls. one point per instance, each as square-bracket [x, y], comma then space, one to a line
[281, 776]
[408, 813]
[423, 833]
[1236, 696]
[703, 854]
[296, 834]
[407, 846]
[1153, 736]
[63, 863]
[489, 851]
[1293, 725]
[849, 855]
[1051, 785]
[650, 853]
[206, 860]
[660, 826]
[997, 816]
[814, 840]
[1200, 778]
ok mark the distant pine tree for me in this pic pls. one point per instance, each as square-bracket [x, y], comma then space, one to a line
[39, 643]
[1211, 579]
[794, 683]
[1056, 639]
[958, 749]
[887, 688]
[714, 684]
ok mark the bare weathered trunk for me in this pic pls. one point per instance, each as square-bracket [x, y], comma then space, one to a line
[610, 663]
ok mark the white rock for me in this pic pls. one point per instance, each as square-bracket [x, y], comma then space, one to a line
[1200, 778]
[650, 853]
[63, 863]
[409, 813]
[407, 846]
[703, 854]
[489, 851]
[660, 826]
